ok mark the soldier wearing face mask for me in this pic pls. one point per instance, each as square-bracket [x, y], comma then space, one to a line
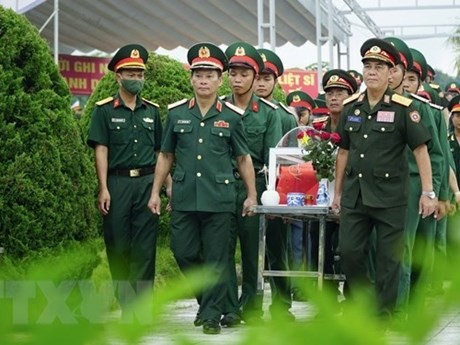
[125, 133]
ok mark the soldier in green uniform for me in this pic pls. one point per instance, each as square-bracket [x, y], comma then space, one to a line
[321, 109]
[430, 233]
[372, 176]
[265, 84]
[277, 233]
[303, 104]
[453, 241]
[413, 219]
[358, 77]
[201, 136]
[454, 136]
[125, 132]
[338, 85]
[263, 129]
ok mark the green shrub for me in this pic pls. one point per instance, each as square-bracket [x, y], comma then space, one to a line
[47, 180]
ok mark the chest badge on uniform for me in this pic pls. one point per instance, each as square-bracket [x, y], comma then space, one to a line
[148, 120]
[118, 120]
[386, 116]
[351, 118]
[221, 124]
[184, 122]
[357, 111]
[414, 116]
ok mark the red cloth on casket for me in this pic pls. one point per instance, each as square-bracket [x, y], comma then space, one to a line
[300, 178]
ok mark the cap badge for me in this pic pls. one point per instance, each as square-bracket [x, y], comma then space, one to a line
[296, 98]
[240, 51]
[264, 58]
[204, 52]
[453, 86]
[375, 49]
[334, 78]
[135, 54]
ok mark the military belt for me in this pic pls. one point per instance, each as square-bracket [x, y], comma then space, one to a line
[135, 172]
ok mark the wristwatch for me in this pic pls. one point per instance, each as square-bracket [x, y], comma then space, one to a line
[431, 195]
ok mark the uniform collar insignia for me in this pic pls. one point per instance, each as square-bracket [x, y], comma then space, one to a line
[361, 97]
[386, 99]
[219, 106]
[255, 106]
[191, 104]
[221, 124]
[116, 103]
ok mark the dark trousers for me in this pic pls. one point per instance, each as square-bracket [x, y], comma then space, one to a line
[247, 230]
[201, 239]
[356, 225]
[130, 234]
[277, 236]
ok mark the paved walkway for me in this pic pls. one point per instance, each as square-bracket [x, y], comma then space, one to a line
[178, 328]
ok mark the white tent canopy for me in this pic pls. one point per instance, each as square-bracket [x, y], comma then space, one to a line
[105, 25]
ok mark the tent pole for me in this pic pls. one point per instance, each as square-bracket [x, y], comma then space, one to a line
[56, 31]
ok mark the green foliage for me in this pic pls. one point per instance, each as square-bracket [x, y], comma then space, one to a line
[47, 180]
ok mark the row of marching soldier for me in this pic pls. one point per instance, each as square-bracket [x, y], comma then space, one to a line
[395, 177]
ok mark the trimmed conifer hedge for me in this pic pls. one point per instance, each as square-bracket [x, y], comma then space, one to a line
[47, 182]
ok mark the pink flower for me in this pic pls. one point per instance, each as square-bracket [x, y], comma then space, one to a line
[335, 138]
[325, 135]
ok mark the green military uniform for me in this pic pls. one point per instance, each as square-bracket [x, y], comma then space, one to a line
[301, 101]
[454, 220]
[431, 234]
[375, 186]
[358, 78]
[414, 223]
[321, 108]
[263, 130]
[132, 137]
[332, 79]
[454, 107]
[203, 195]
[203, 190]
[278, 230]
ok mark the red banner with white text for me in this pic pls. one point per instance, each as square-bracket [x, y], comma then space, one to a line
[297, 79]
[82, 73]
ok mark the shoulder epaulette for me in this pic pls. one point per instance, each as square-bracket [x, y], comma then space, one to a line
[233, 107]
[436, 106]
[104, 101]
[150, 102]
[351, 98]
[419, 98]
[273, 105]
[401, 100]
[434, 86]
[223, 97]
[284, 106]
[176, 104]
[320, 119]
